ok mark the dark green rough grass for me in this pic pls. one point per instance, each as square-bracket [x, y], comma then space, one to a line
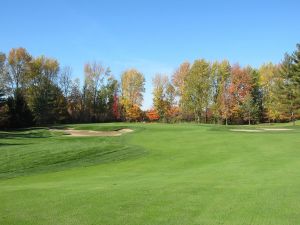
[40, 150]
[191, 174]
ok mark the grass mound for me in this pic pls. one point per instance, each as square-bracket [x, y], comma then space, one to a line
[36, 151]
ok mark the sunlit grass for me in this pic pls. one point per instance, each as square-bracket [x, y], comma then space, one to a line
[159, 174]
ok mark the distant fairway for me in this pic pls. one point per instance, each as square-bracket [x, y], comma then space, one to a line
[182, 174]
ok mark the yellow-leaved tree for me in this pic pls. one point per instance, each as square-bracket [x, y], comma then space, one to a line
[132, 89]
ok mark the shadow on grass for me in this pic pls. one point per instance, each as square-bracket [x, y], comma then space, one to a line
[9, 144]
[28, 133]
[59, 127]
[45, 162]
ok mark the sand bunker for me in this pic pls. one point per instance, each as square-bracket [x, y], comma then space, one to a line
[276, 129]
[261, 130]
[244, 130]
[91, 133]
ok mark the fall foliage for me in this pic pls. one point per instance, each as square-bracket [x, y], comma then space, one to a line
[37, 91]
[152, 115]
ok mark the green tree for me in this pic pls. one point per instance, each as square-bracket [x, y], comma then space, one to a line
[249, 108]
[4, 114]
[14, 79]
[289, 88]
[106, 98]
[18, 111]
[46, 99]
[197, 89]
[268, 80]
[256, 95]
[296, 65]
[2, 97]
[160, 83]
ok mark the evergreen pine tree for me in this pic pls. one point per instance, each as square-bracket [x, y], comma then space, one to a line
[289, 88]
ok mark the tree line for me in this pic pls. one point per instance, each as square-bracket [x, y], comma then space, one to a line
[218, 92]
[37, 91]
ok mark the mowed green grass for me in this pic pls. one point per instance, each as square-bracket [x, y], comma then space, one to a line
[159, 174]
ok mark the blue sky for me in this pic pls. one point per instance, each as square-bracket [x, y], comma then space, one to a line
[152, 36]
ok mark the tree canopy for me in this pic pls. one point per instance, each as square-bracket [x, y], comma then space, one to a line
[38, 91]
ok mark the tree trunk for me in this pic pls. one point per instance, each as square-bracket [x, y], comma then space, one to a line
[249, 119]
[293, 119]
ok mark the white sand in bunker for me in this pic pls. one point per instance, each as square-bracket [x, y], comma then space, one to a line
[91, 133]
[276, 129]
[245, 130]
[261, 130]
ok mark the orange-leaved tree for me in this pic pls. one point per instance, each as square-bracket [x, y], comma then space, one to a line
[152, 115]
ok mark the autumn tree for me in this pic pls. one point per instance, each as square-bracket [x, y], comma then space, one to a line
[160, 83]
[268, 80]
[170, 95]
[37, 86]
[132, 89]
[152, 115]
[116, 108]
[178, 79]
[163, 96]
[14, 73]
[240, 87]
[108, 104]
[14, 111]
[221, 72]
[134, 113]
[97, 100]
[95, 74]
[46, 100]
[18, 61]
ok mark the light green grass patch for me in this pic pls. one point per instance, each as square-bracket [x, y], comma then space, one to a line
[168, 174]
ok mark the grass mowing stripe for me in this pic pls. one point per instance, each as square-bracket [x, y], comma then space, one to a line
[192, 174]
